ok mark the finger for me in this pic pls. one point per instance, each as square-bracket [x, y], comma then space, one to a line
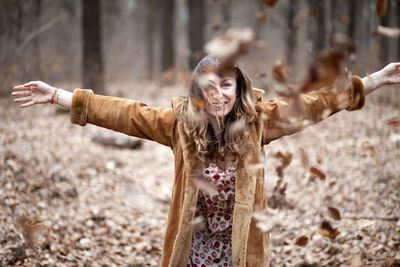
[23, 99]
[22, 93]
[21, 87]
[30, 103]
[32, 83]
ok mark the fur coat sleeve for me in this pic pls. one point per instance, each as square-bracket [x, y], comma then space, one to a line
[285, 116]
[123, 115]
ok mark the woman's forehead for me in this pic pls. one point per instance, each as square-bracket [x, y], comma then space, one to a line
[218, 78]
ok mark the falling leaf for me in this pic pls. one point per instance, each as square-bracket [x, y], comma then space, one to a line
[199, 104]
[302, 241]
[203, 185]
[237, 128]
[279, 71]
[381, 7]
[387, 31]
[328, 231]
[229, 47]
[370, 150]
[198, 223]
[318, 173]
[395, 121]
[261, 17]
[343, 42]
[334, 213]
[269, 3]
[356, 261]
[324, 71]
[344, 19]
[304, 158]
[31, 230]
[255, 163]
[285, 158]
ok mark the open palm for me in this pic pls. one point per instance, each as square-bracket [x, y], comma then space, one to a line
[32, 93]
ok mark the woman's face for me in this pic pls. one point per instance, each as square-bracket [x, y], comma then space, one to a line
[219, 94]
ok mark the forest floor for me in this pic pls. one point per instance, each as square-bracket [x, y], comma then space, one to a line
[66, 201]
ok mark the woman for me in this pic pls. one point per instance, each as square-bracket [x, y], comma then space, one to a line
[215, 134]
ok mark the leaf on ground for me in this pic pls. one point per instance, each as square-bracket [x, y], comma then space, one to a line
[334, 213]
[317, 172]
[302, 241]
[304, 158]
[395, 122]
[328, 231]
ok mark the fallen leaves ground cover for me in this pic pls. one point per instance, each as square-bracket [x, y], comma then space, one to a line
[67, 201]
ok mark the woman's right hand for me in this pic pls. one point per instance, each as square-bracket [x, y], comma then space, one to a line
[35, 92]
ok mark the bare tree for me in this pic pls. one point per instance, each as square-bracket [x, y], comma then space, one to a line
[196, 31]
[167, 34]
[92, 61]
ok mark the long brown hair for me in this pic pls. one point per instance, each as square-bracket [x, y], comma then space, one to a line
[223, 145]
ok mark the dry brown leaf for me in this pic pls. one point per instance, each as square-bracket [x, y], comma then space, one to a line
[199, 104]
[370, 150]
[324, 71]
[230, 46]
[395, 121]
[381, 7]
[328, 231]
[279, 71]
[344, 43]
[203, 185]
[304, 158]
[198, 223]
[261, 17]
[317, 172]
[302, 241]
[285, 158]
[334, 213]
[269, 3]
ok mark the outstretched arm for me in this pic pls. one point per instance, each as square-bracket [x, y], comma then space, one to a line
[37, 92]
[285, 116]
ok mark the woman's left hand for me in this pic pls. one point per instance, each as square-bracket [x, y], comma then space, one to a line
[388, 75]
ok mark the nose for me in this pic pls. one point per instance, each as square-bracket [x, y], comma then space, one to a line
[216, 93]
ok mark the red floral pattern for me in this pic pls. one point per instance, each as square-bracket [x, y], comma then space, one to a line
[212, 246]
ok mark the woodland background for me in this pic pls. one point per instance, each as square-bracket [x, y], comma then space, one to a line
[69, 201]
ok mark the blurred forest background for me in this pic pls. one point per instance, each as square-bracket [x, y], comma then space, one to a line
[68, 200]
[96, 43]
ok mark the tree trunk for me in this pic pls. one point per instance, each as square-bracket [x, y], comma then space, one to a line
[167, 34]
[150, 28]
[384, 42]
[196, 31]
[92, 64]
[292, 33]
[36, 42]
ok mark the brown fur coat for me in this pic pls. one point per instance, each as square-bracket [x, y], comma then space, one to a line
[249, 245]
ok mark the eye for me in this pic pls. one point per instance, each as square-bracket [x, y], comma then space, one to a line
[226, 85]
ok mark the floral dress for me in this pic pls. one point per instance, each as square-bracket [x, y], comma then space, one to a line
[212, 246]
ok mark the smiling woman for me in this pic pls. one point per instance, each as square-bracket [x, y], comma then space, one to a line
[215, 132]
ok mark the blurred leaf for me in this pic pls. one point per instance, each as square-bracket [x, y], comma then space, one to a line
[270, 3]
[285, 158]
[318, 173]
[304, 158]
[334, 213]
[395, 121]
[328, 231]
[261, 17]
[381, 7]
[302, 241]
[279, 71]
